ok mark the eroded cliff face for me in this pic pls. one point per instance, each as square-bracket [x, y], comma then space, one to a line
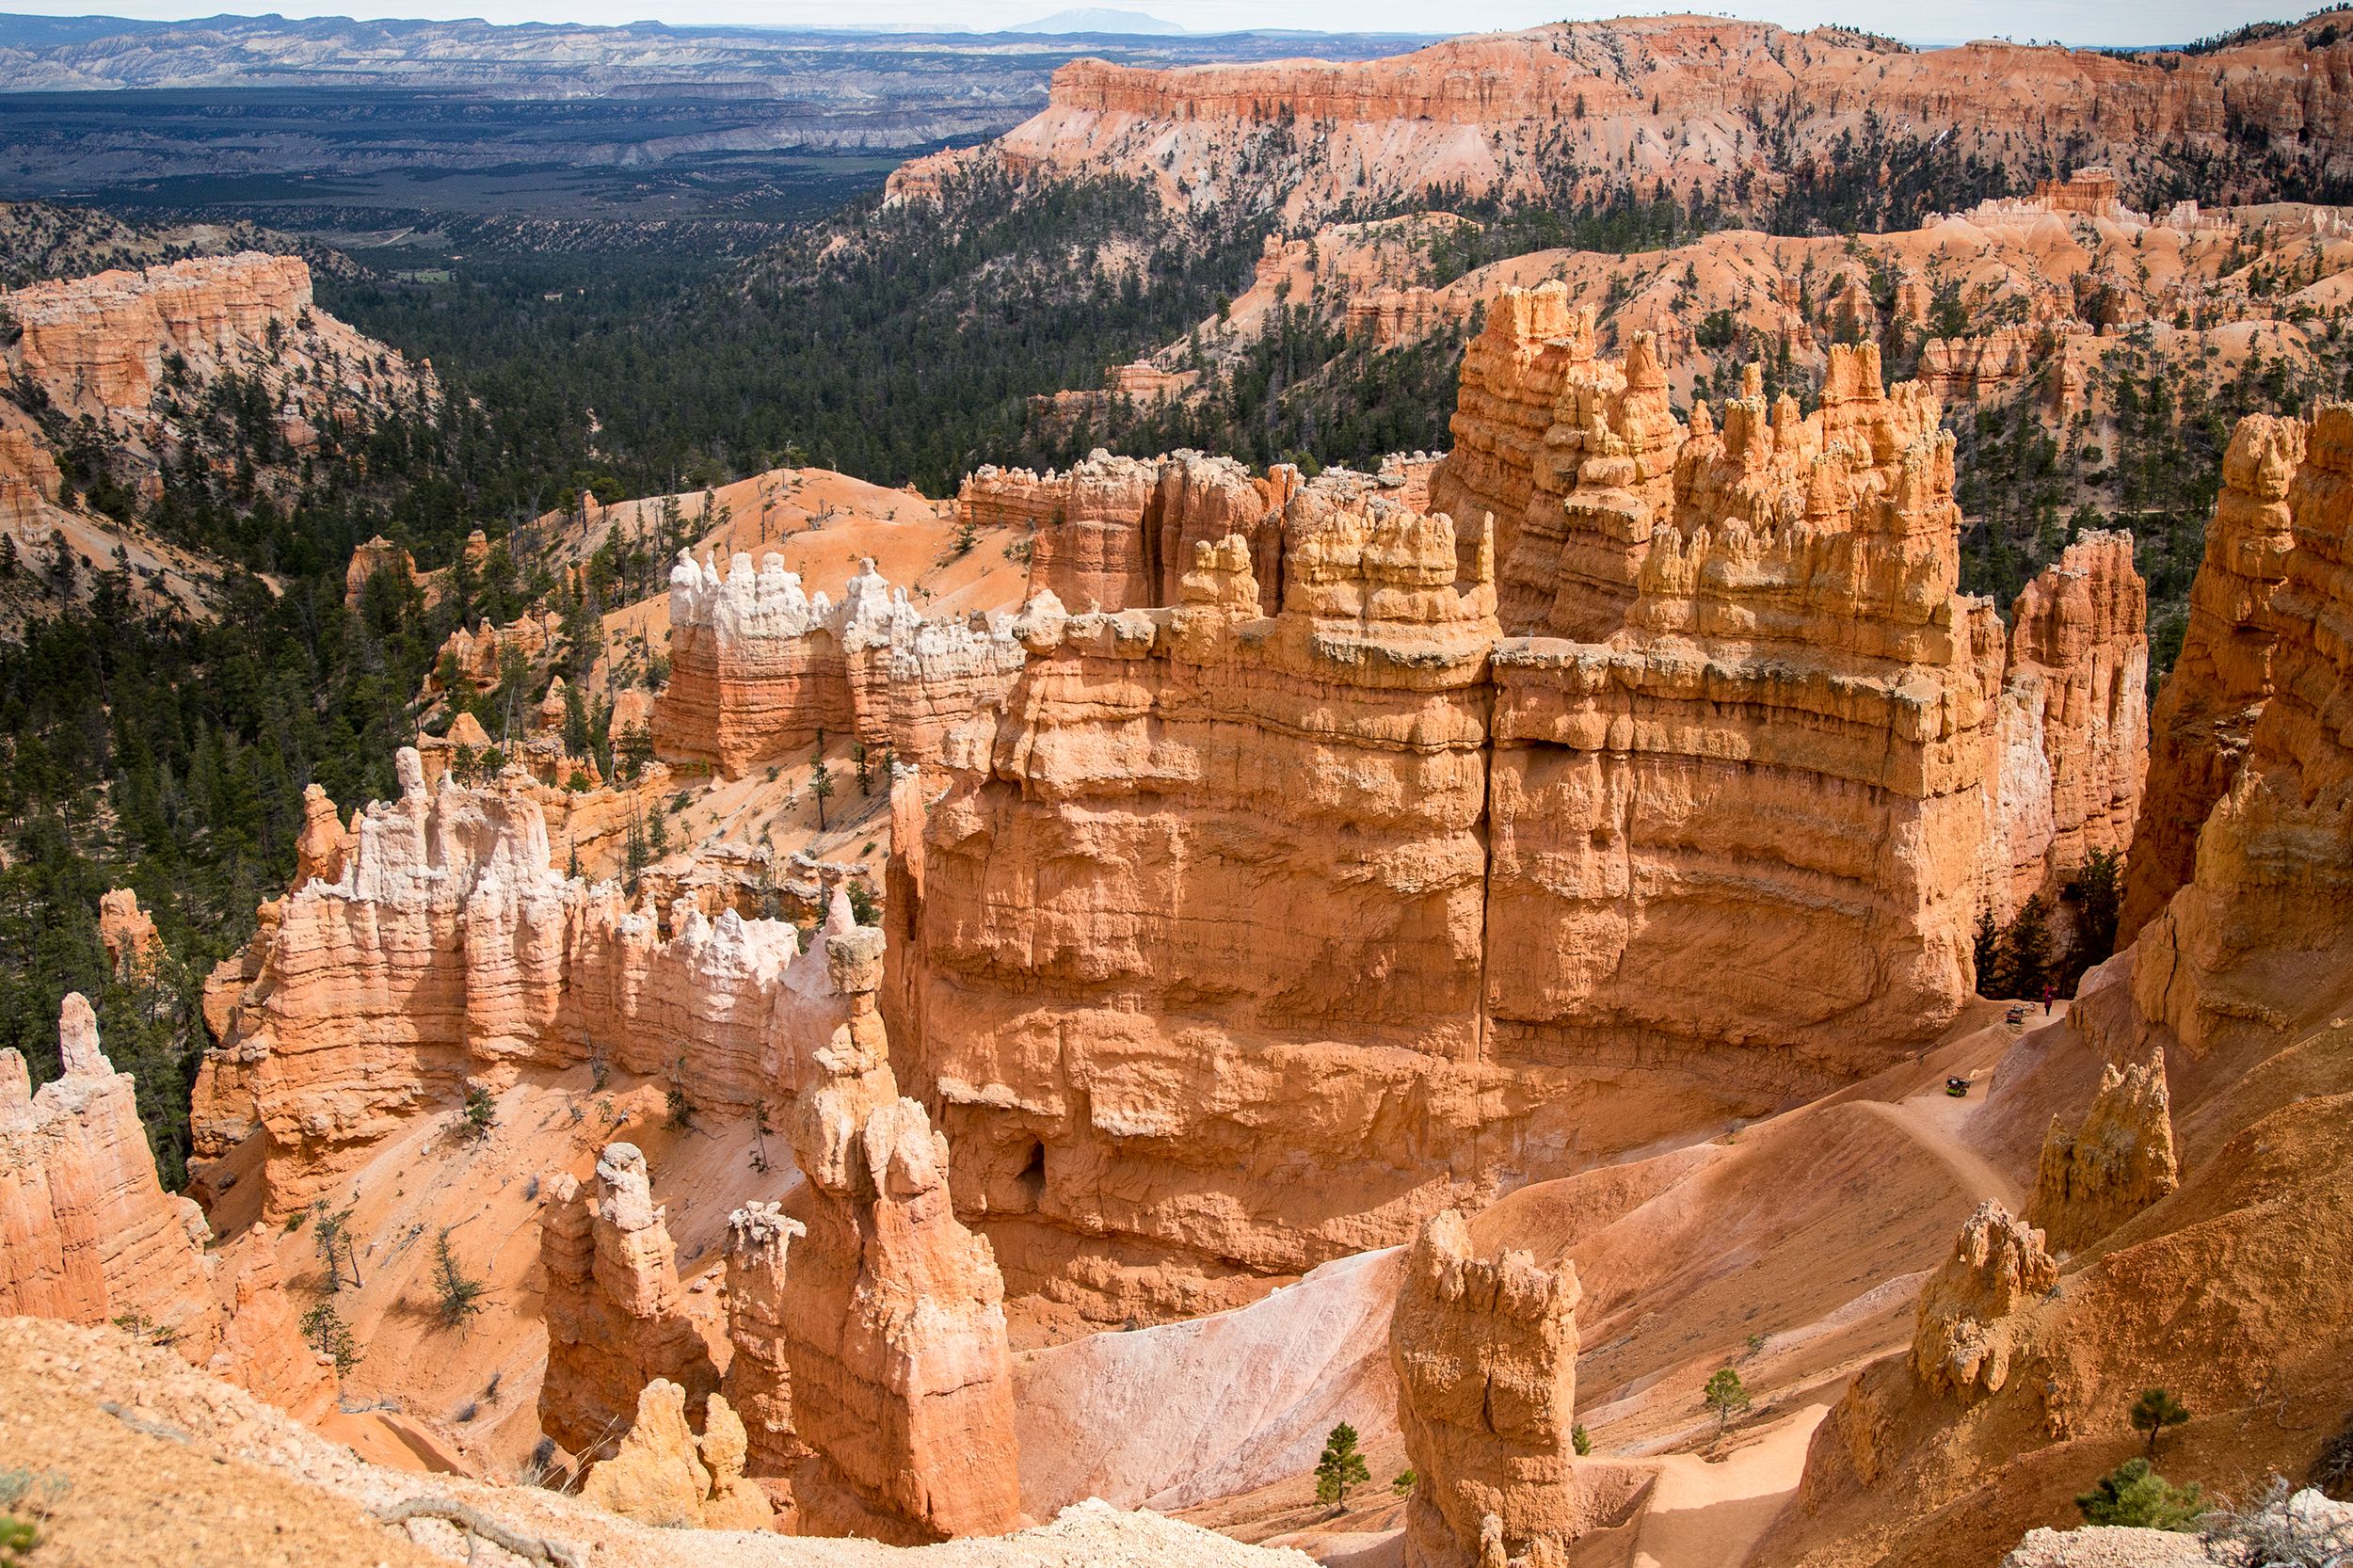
[1257, 838]
[1483, 111]
[1485, 1351]
[91, 1234]
[447, 953]
[105, 346]
[2093, 1177]
[760, 670]
[2271, 899]
[2232, 1009]
[873, 1321]
[1342, 842]
[615, 1311]
[1118, 533]
[2072, 728]
[87, 1233]
[2205, 715]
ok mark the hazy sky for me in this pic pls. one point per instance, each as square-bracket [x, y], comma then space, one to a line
[2109, 22]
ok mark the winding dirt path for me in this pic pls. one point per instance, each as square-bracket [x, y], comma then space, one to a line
[1703, 1515]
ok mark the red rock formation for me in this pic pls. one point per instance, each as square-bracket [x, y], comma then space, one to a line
[2206, 715]
[662, 1475]
[615, 1314]
[449, 951]
[1969, 1309]
[759, 1372]
[90, 1234]
[87, 1233]
[479, 657]
[1117, 533]
[2072, 742]
[1794, 700]
[1485, 1350]
[379, 554]
[1779, 715]
[1573, 455]
[2241, 982]
[105, 346]
[2121, 1161]
[2270, 894]
[1657, 101]
[126, 932]
[888, 1314]
[1264, 837]
[758, 670]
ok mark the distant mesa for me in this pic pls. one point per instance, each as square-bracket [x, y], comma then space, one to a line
[1098, 19]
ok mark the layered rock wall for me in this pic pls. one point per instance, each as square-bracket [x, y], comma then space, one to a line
[2073, 741]
[90, 1234]
[1117, 533]
[103, 345]
[448, 951]
[1257, 840]
[614, 1309]
[87, 1233]
[886, 1313]
[2204, 717]
[2270, 902]
[1481, 113]
[1343, 843]
[760, 670]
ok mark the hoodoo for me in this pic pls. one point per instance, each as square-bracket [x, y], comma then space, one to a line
[1687, 904]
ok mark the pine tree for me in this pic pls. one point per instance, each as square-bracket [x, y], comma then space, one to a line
[1342, 1467]
[2154, 1411]
[1726, 1396]
[821, 787]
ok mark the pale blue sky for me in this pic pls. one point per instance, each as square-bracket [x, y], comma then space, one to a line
[2093, 21]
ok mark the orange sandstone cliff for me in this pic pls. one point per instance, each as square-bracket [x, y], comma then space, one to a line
[88, 1234]
[1702, 106]
[2211, 1170]
[760, 670]
[613, 1304]
[1339, 839]
[448, 952]
[887, 1315]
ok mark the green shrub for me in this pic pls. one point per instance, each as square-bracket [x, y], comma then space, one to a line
[2134, 1494]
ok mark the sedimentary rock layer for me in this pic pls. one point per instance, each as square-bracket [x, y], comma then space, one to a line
[448, 951]
[2205, 715]
[2239, 987]
[1673, 102]
[1339, 843]
[758, 670]
[886, 1313]
[87, 1233]
[1117, 533]
[615, 1312]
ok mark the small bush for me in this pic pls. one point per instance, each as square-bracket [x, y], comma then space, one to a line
[1726, 1396]
[1403, 1482]
[2154, 1411]
[461, 1295]
[327, 1334]
[1581, 1440]
[2134, 1494]
[482, 1111]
